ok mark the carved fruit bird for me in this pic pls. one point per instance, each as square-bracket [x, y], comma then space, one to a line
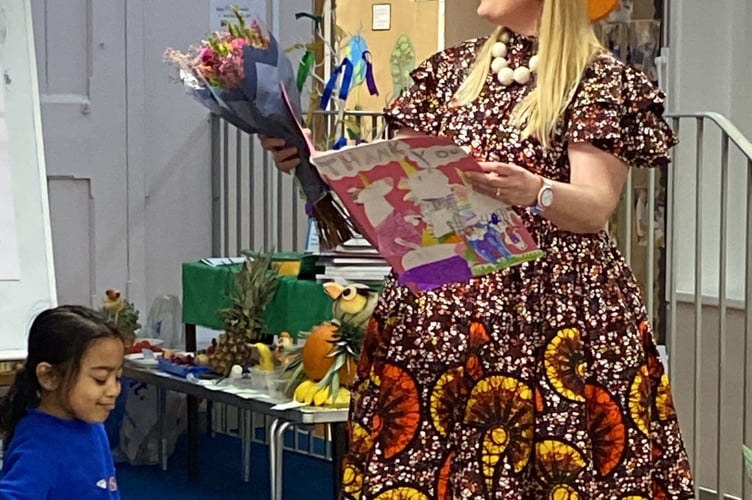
[353, 304]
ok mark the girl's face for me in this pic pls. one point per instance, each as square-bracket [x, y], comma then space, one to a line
[518, 15]
[92, 394]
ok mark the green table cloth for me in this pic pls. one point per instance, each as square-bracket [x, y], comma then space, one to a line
[297, 306]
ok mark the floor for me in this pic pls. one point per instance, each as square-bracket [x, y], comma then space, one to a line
[307, 478]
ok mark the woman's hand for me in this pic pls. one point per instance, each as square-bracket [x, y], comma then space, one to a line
[509, 183]
[286, 158]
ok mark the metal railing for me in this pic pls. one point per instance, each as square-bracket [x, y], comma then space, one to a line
[671, 248]
[709, 329]
[254, 206]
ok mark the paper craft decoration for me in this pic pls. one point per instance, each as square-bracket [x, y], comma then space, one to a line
[409, 198]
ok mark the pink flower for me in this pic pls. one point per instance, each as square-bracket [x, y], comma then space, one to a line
[237, 45]
[208, 56]
[231, 72]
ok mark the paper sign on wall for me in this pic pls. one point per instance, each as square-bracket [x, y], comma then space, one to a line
[9, 266]
[220, 10]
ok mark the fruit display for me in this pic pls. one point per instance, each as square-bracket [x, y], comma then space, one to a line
[181, 364]
[141, 345]
[283, 349]
[181, 358]
[254, 287]
[122, 313]
[325, 366]
[262, 353]
[310, 393]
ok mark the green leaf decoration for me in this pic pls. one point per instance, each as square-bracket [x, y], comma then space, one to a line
[402, 62]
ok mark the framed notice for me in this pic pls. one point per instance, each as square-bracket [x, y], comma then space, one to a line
[382, 17]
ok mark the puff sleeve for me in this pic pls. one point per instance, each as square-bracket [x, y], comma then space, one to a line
[420, 106]
[619, 110]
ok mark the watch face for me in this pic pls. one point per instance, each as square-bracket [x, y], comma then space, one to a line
[547, 197]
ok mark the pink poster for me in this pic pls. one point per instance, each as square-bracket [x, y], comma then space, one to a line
[409, 198]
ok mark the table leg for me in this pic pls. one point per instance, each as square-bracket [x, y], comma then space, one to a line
[161, 411]
[280, 439]
[339, 448]
[245, 443]
[210, 418]
[272, 439]
[194, 434]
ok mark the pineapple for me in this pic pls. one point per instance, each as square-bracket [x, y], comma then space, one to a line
[255, 286]
[328, 359]
[123, 313]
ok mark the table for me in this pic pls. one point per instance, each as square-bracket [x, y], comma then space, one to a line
[282, 420]
[297, 306]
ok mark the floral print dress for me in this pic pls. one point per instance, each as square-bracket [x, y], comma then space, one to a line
[541, 381]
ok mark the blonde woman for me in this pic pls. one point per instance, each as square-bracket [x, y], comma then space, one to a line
[543, 380]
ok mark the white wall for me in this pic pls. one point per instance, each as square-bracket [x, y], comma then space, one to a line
[129, 151]
[710, 70]
[173, 143]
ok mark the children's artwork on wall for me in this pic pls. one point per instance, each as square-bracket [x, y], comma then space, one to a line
[413, 36]
[644, 42]
[642, 220]
[402, 61]
[615, 37]
[355, 49]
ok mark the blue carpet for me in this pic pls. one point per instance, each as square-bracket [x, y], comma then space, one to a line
[306, 478]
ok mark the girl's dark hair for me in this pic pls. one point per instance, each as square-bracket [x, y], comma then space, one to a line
[60, 337]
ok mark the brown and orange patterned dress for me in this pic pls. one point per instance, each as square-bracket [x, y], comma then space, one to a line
[541, 381]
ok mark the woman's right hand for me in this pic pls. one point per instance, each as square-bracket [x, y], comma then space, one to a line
[286, 158]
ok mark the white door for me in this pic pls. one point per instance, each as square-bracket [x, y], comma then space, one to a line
[128, 152]
[82, 74]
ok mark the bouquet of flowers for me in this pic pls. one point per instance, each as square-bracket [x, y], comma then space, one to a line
[242, 76]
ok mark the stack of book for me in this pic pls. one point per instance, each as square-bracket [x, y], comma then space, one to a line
[355, 261]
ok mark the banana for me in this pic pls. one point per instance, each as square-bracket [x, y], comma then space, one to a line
[319, 399]
[305, 391]
[342, 400]
[266, 358]
[309, 393]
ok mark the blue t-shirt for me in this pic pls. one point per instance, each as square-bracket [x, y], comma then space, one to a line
[52, 458]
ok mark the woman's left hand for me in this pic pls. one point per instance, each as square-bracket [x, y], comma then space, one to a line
[507, 182]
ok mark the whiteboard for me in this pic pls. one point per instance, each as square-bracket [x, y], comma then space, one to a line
[27, 277]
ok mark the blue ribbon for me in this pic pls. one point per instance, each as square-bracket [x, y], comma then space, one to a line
[346, 69]
[370, 80]
[341, 143]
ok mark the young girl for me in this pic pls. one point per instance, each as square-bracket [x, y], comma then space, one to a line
[52, 416]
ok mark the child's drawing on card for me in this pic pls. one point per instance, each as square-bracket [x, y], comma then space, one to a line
[396, 233]
[410, 199]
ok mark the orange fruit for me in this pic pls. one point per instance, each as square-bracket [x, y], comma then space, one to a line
[316, 360]
[316, 349]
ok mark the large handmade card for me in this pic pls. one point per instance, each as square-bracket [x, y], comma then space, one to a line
[410, 199]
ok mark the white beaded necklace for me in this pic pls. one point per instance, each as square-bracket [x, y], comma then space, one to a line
[500, 65]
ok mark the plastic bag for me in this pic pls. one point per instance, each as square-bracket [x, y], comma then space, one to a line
[165, 321]
[139, 431]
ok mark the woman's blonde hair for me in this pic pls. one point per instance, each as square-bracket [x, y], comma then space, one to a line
[566, 45]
